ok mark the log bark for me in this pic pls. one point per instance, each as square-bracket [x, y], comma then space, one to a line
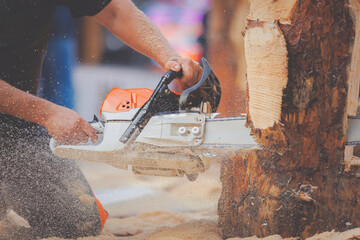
[296, 184]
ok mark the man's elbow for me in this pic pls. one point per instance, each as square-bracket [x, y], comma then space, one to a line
[115, 14]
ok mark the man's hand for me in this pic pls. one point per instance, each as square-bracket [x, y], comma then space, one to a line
[64, 125]
[191, 71]
[67, 127]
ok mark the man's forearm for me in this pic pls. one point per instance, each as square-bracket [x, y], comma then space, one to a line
[131, 25]
[23, 105]
[63, 124]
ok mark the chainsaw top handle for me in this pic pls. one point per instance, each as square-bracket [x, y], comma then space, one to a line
[206, 90]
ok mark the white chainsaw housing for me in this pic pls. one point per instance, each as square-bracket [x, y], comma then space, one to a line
[169, 145]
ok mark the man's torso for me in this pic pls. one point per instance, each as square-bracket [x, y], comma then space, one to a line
[25, 28]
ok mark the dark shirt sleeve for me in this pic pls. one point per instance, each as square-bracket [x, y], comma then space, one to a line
[80, 8]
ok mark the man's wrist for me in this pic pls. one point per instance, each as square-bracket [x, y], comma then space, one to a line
[44, 111]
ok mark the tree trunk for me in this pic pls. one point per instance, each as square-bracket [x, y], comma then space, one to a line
[298, 55]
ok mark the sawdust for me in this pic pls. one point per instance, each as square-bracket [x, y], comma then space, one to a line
[178, 226]
[350, 234]
[86, 199]
[160, 225]
[193, 224]
[198, 229]
[9, 231]
[324, 235]
[273, 237]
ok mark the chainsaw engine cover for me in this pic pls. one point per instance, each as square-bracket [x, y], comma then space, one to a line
[123, 100]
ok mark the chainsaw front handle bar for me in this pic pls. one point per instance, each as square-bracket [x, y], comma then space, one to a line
[170, 75]
[144, 112]
[207, 89]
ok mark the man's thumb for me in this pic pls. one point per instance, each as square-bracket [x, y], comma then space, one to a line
[173, 65]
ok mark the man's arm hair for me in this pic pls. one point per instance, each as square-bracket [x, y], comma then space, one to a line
[135, 29]
[23, 105]
[63, 124]
[131, 25]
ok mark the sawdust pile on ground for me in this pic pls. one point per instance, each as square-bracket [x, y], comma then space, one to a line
[176, 210]
[148, 226]
[196, 229]
[161, 226]
[191, 208]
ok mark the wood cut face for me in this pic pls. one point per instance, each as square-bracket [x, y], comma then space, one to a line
[270, 10]
[354, 75]
[353, 101]
[267, 73]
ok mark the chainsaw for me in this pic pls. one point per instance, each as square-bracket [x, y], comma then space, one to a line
[164, 133]
[160, 132]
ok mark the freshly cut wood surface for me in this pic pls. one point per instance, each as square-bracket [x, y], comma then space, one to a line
[353, 81]
[354, 75]
[270, 10]
[267, 73]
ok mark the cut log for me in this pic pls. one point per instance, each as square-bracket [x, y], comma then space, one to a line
[296, 185]
[354, 75]
[270, 10]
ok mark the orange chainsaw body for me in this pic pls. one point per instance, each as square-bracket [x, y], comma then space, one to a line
[123, 100]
